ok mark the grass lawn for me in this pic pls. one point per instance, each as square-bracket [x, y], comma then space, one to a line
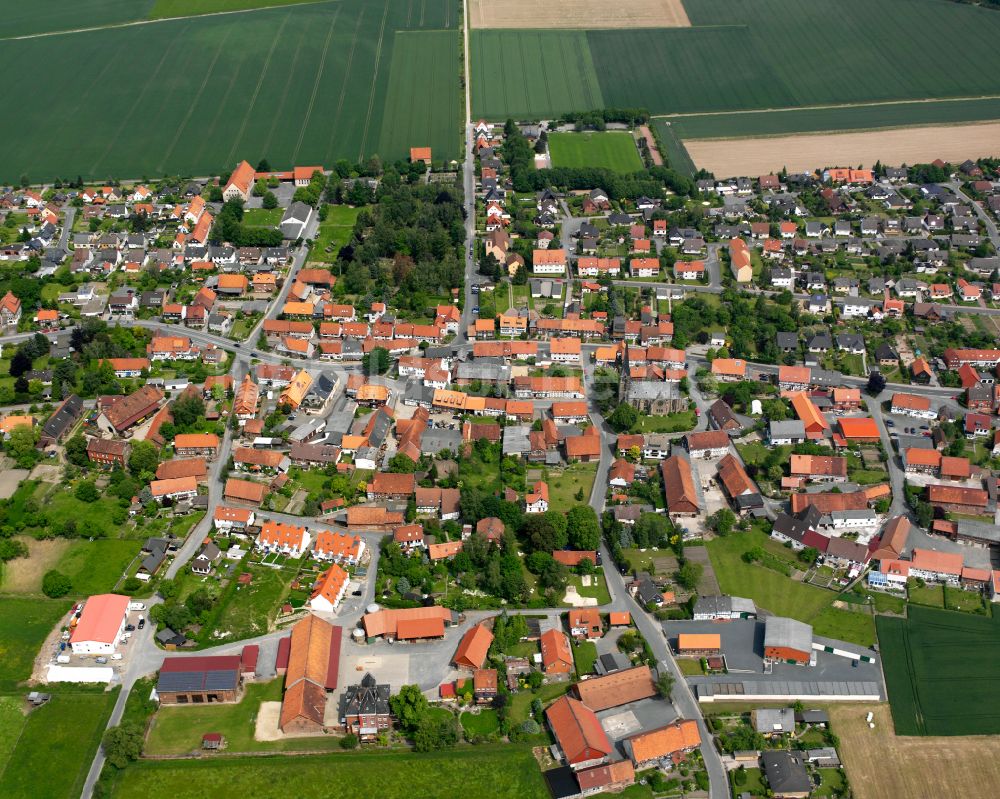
[263, 217]
[845, 625]
[507, 772]
[597, 589]
[585, 656]
[178, 730]
[24, 623]
[485, 722]
[94, 567]
[968, 601]
[334, 232]
[690, 668]
[831, 782]
[886, 603]
[64, 733]
[608, 150]
[931, 595]
[250, 609]
[754, 784]
[673, 423]
[766, 587]
[520, 703]
[566, 483]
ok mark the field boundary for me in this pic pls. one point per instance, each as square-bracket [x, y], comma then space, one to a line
[136, 22]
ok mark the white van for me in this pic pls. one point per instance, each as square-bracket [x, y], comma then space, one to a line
[117, 656]
[136, 606]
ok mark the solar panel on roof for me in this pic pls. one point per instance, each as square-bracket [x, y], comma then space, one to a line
[220, 680]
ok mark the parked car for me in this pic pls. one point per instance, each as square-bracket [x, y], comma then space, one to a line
[117, 656]
[142, 622]
[889, 423]
[102, 660]
[129, 628]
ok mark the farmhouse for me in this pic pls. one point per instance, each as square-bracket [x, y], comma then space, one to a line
[240, 183]
[679, 488]
[618, 688]
[557, 657]
[578, 733]
[408, 623]
[648, 748]
[473, 648]
[699, 644]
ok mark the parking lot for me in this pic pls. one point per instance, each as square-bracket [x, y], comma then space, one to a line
[743, 645]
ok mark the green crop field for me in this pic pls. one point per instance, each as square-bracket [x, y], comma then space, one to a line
[294, 84]
[508, 772]
[65, 731]
[28, 18]
[844, 118]
[610, 150]
[940, 671]
[24, 623]
[188, 8]
[424, 65]
[747, 54]
[529, 73]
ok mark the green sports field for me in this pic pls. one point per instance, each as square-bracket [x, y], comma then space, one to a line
[508, 772]
[941, 672]
[294, 84]
[610, 150]
[749, 54]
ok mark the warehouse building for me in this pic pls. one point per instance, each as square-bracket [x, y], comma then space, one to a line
[100, 625]
[787, 640]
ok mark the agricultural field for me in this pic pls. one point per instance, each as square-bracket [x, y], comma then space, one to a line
[940, 672]
[880, 764]
[508, 772]
[66, 730]
[608, 150]
[532, 73]
[306, 83]
[23, 17]
[678, 70]
[802, 152]
[163, 9]
[24, 625]
[570, 14]
[425, 65]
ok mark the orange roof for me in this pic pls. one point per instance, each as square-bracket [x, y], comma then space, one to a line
[578, 731]
[678, 485]
[655, 744]
[278, 534]
[176, 485]
[828, 502]
[386, 622]
[445, 549]
[734, 477]
[372, 392]
[940, 562]
[698, 641]
[245, 490]
[565, 346]
[877, 491]
[182, 467]
[956, 495]
[314, 643]
[242, 177]
[859, 428]
[923, 457]
[473, 648]
[619, 618]
[196, 441]
[735, 367]
[794, 374]
[228, 281]
[807, 411]
[420, 154]
[573, 408]
[556, 653]
[224, 514]
[101, 619]
[45, 315]
[841, 395]
[822, 465]
[910, 402]
[555, 257]
[617, 688]
[330, 584]
[296, 390]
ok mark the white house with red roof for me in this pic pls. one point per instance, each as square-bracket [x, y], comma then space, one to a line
[288, 539]
[537, 500]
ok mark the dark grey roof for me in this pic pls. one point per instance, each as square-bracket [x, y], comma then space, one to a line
[365, 699]
[64, 417]
[199, 679]
[786, 772]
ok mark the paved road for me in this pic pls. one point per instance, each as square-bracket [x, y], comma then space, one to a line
[67, 228]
